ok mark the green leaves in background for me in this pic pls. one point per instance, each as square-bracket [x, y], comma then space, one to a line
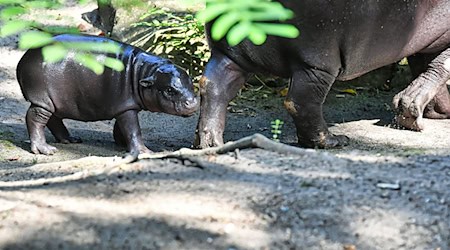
[178, 36]
[14, 27]
[11, 12]
[237, 20]
[35, 35]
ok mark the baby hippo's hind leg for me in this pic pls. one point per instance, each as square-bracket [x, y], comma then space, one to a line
[36, 120]
[118, 136]
[60, 131]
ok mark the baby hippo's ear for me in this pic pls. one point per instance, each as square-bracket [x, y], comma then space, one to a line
[147, 82]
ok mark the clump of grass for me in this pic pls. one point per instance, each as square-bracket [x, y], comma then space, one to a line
[7, 144]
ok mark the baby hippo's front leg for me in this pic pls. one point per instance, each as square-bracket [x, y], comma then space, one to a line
[130, 131]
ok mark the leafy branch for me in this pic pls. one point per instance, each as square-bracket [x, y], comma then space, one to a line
[180, 37]
[252, 19]
[34, 34]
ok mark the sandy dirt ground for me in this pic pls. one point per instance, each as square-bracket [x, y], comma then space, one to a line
[389, 189]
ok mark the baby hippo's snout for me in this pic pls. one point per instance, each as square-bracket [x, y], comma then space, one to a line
[189, 106]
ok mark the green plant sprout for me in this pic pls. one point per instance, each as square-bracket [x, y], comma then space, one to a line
[276, 129]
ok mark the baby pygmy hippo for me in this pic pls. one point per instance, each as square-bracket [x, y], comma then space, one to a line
[69, 90]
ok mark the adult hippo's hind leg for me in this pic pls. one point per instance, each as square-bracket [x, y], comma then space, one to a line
[439, 106]
[60, 132]
[307, 93]
[431, 84]
[220, 83]
[36, 120]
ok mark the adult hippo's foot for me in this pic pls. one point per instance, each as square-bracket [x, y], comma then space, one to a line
[439, 107]
[304, 101]
[221, 81]
[429, 88]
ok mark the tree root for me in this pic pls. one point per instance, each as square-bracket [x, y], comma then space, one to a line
[114, 164]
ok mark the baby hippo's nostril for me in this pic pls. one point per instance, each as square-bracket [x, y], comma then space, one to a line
[192, 103]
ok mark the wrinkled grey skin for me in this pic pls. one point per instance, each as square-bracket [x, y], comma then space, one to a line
[69, 90]
[339, 40]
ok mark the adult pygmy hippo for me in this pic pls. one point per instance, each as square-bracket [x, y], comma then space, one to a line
[339, 40]
[69, 90]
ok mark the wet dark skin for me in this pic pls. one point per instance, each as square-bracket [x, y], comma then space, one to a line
[340, 40]
[68, 90]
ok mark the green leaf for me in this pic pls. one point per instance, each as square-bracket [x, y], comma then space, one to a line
[13, 27]
[221, 26]
[90, 62]
[212, 11]
[238, 33]
[54, 53]
[4, 2]
[40, 4]
[59, 29]
[257, 36]
[106, 47]
[279, 29]
[114, 63]
[9, 12]
[271, 15]
[34, 39]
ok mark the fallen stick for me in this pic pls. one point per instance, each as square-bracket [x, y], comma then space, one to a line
[113, 164]
[253, 141]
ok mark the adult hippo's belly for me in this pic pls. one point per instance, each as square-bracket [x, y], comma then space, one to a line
[339, 40]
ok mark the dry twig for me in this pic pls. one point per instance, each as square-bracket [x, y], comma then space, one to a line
[113, 164]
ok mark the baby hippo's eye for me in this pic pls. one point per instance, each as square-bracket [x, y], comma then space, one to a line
[170, 91]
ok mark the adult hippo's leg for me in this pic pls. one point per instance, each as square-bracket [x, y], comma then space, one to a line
[439, 106]
[36, 120]
[60, 132]
[304, 101]
[219, 84]
[431, 84]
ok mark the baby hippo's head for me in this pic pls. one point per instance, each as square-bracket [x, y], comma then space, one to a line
[169, 89]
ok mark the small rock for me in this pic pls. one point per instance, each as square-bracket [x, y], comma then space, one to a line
[229, 228]
[284, 208]
[391, 186]
[14, 158]
[349, 247]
